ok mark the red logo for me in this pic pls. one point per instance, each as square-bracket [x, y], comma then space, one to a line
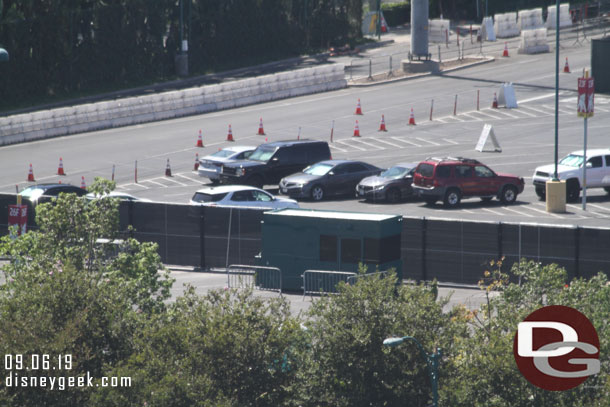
[556, 348]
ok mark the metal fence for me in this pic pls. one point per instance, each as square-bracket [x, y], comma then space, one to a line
[211, 238]
[262, 278]
[323, 281]
[461, 42]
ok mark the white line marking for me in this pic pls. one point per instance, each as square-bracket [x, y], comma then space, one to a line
[177, 182]
[332, 145]
[406, 142]
[345, 143]
[599, 207]
[427, 141]
[134, 184]
[387, 142]
[439, 120]
[369, 144]
[525, 113]
[472, 117]
[154, 182]
[492, 211]
[543, 212]
[548, 95]
[535, 110]
[486, 113]
[520, 213]
[189, 178]
[599, 108]
[455, 143]
[504, 112]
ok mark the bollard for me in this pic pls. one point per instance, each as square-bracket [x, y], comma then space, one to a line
[462, 49]
[471, 34]
[455, 106]
[439, 54]
[351, 69]
[478, 92]
[332, 130]
[112, 172]
[370, 69]
[431, 108]
[447, 37]
[136, 172]
[390, 72]
[458, 36]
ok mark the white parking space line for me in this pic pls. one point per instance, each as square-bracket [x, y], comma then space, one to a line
[534, 109]
[603, 208]
[406, 142]
[492, 211]
[369, 144]
[345, 143]
[486, 112]
[128, 186]
[600, 109]
[519, 212]
[455, 143]
[182, 175]
[177, 182]
[427, 141]
[439, 120]
[154, 182]
[543, 212]
[522, 111]
[387, 142]
[471, 116]
[512, 116]
[333, 146]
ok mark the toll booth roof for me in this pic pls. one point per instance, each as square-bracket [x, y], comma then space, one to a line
[310, 213]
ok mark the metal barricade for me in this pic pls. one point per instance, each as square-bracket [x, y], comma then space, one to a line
[354, 279]
[323, 281]
[259, 277]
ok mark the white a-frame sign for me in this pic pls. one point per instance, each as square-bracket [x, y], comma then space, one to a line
[488, 134]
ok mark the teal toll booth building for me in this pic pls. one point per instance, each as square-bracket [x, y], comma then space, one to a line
[295, 240]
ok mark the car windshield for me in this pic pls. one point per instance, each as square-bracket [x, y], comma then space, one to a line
[203, 197]
[395, 172]
[222, 153]
[318, 169]
[32, 192]
[572, 160]
[262, 154]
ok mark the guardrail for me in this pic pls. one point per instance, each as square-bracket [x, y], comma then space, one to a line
[259, 277]
[323, 281]
[354, 279]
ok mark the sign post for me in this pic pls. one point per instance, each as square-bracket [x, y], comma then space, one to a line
[584, 109]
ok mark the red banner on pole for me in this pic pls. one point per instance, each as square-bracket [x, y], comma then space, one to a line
[18, 216]
[586, 94]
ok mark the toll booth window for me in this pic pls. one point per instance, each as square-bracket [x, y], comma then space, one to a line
[390, 248]
[328, 248]
[350, 251]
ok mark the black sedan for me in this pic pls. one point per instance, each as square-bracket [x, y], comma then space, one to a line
[392, 185]
[326, 178]
[34, 192]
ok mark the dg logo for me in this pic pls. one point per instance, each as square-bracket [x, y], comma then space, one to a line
[556, 348]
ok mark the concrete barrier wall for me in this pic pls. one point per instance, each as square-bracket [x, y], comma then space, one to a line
[530, 19]
[565, 19]
[134, 110]
[506, 25]
[534, 41]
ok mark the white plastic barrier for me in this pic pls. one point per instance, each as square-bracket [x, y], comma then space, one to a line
[565, 20]
[506, 25]
[487, 29]
[507, 97]
[534, 41]
[438, 30]
[530, 19]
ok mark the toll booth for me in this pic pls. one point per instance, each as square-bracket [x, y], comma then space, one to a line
[295, 240]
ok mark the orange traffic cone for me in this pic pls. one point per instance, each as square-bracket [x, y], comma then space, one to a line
[495, 102]
[566, 68]
[261, 131]
[196, 167]
[230, 134]
[412, 118]
[358, 108]
[382, 124]
[82, 182]
[168, 170]
[60, 169]
[505, 53]
[31, 175]
[199, 140]
[356, 130]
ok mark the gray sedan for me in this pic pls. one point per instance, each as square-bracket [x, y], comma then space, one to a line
[326, 178]
[392, 185]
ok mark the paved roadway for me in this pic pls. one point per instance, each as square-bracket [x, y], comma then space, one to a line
[526, 135]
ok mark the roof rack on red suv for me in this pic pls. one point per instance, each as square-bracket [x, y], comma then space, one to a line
[452, 178]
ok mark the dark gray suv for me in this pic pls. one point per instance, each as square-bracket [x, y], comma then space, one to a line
[270, 162]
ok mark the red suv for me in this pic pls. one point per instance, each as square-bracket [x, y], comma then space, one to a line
[452, 179]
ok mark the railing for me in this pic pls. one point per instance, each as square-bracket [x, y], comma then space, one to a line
[354, 279]
[259, 277]
[323, 281]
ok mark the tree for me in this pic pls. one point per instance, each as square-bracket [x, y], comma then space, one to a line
[346, 363]
[488, 374]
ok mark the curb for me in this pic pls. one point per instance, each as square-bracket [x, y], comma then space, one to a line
[421, 75]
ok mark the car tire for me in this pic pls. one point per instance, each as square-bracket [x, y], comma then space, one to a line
[541, 192]
[430, 200]
[509, 195]
[452, 198]
[393, 195]
[256, 181]
[607, 189]
[487, 198]
[215, 181]
[317, 193]
[572, 190]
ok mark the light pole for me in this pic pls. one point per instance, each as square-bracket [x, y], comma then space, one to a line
[432, 360]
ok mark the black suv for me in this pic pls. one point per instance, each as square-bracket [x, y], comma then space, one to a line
[271, 162]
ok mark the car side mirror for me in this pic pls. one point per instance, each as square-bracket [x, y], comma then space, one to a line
[331, 173]
[589, 165]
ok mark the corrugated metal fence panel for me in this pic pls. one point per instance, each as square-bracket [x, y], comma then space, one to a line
[594, 252]
[443, 256]
[183, 246]
[149, 223]
[411, 249]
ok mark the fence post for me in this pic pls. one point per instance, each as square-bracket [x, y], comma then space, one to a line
[202, 237]
[577, 251]
[439, 54]
[424, 271]
[371, 69]
[390, 72]
[500, 240]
